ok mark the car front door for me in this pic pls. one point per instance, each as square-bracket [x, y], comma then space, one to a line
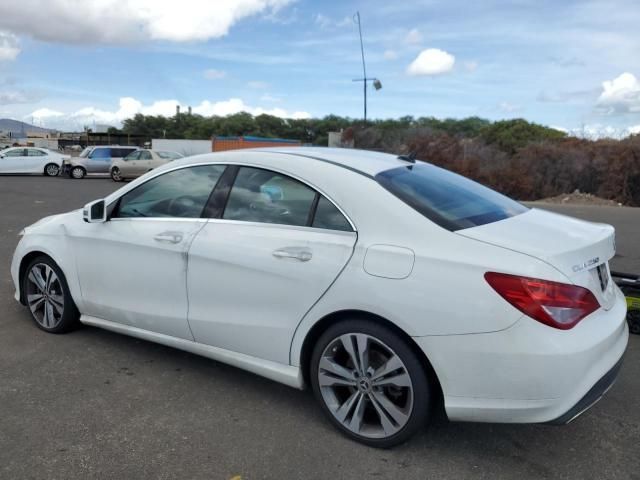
[144, 163]
[132, 268]
[99, 160]
[129, 164]
[271, 250]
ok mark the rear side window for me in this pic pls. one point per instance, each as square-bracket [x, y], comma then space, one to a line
[448, 199]
[32, 152]
[264, 196]
[328, 216]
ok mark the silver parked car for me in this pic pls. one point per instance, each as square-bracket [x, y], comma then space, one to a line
[95, 159]
[140, 162]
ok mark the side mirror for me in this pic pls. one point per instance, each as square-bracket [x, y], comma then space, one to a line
[95, 212]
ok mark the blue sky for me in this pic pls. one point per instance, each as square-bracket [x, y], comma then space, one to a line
[571, 65]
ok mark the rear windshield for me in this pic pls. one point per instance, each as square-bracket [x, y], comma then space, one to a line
[448, 199]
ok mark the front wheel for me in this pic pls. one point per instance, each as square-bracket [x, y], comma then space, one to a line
[78, 173]
[370, 383]
[116, 175]
[51, 170]
[47, 295]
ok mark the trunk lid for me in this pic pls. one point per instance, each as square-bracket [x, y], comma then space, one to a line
[580, 250]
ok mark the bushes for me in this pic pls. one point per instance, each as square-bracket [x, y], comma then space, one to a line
[546, 165]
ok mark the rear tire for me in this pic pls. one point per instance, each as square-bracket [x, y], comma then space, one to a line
[370, 383]
[78, 173]
[51, 170]
[46, 294]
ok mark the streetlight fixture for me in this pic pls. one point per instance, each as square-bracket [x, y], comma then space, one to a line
[377, 84]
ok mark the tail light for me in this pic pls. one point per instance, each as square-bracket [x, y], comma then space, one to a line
[558, 305]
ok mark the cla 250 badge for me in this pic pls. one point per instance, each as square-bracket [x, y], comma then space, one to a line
[587, 264]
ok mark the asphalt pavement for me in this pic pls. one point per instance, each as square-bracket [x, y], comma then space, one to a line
[94, 404]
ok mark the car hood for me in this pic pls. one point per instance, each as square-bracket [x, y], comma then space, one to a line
[51, 221]
[572, 246]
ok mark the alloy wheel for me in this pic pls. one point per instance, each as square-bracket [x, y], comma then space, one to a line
[52, 170]
[116, 175]
[365, 385]
[45, 295]
[77, 173]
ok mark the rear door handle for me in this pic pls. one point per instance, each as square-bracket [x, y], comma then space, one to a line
[301, 254]
[168, 237]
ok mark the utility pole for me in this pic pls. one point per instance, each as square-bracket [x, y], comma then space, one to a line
[376, 83]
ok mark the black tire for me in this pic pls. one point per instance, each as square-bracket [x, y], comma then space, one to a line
[69, 318]
[77, 173]
[116, 175]
[51, 170]
[421, 394]
[633, 318]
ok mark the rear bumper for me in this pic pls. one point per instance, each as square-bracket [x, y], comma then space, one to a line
[529, 373]
[592, 396]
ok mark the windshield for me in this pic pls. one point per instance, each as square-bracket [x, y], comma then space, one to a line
[85, 152]
[448, 199]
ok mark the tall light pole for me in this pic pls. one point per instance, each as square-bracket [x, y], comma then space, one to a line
[376, 83]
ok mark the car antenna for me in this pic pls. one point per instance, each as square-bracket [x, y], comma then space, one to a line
[410, 157]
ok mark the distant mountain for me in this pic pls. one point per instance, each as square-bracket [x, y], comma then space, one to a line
[18, 128]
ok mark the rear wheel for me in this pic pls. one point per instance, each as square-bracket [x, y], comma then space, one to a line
[47, 295]
[78, 173]
[633, 318]
[51, 170]
[370, 383]
[116, 175]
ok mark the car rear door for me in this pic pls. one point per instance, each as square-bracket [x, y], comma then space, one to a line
[132, 268]
[36, 160]
[13, 161]
[271, 249]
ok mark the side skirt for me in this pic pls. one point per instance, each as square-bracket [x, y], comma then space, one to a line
[287, 374]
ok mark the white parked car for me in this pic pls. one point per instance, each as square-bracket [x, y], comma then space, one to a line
[382, 283]
[31, 160]
[140, 162]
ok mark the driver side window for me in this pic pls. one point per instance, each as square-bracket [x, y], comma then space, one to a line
[180, 193]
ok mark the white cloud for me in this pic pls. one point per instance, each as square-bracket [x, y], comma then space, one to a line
[9, 48]
[471, 66]
[413, 37]
[213, 74]
[114, 21]
[390, 55]
[634, 130]
[620, 95]
[325, 22]
[128, 107]
[432, 61]
[258, 85]
[270, 98]
[508, 107]
[43, 113]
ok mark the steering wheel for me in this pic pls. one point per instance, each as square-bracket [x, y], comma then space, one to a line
[181, 206]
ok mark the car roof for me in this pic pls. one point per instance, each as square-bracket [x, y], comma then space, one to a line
[361, 161]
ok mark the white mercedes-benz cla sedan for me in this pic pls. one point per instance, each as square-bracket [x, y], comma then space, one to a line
[387, 285]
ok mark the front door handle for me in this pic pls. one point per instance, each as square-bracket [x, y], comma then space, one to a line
[301, 254]
[168, 237]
